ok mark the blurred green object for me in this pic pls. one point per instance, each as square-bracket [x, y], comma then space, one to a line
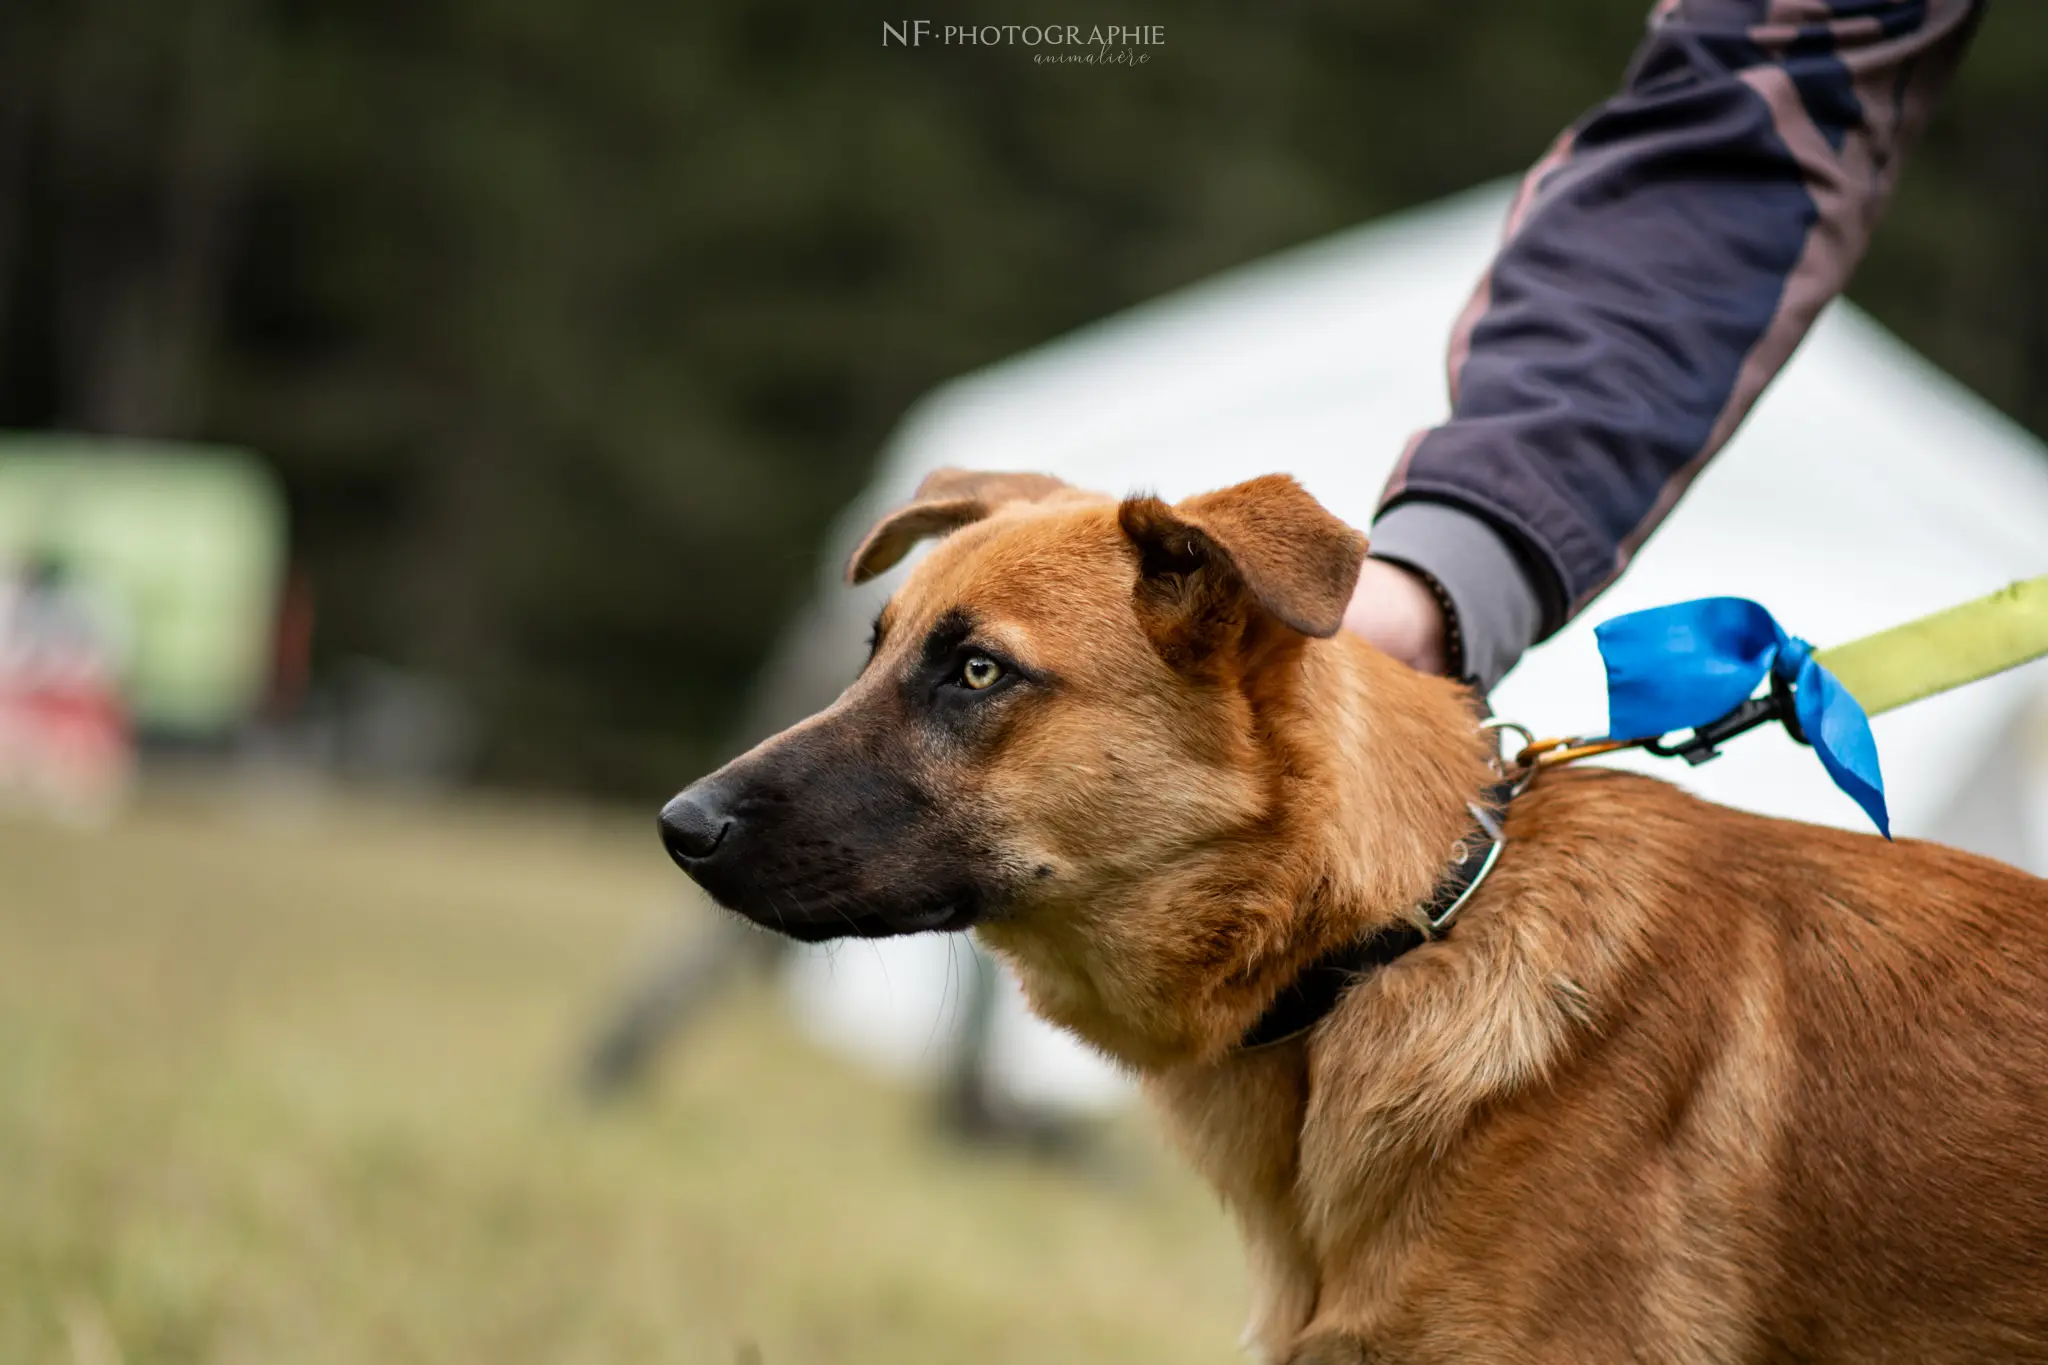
[187, 541]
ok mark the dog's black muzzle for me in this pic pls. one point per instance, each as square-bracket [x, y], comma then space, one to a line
[818, 839]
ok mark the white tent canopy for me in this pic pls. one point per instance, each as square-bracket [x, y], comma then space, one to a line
[1866, 488]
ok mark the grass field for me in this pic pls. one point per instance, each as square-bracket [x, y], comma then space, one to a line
[282, 1079]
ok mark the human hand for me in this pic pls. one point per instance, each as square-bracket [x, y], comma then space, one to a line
[1395, 610]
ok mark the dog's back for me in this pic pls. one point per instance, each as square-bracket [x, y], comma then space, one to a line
[1807, 1118]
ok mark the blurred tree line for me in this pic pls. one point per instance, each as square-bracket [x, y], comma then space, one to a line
[569, 325]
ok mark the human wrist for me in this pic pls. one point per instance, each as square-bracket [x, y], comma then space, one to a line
[1491, 610]
[1404, 614]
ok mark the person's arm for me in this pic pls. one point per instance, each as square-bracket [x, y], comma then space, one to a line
[1658, 267]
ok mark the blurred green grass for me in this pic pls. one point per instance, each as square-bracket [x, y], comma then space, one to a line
[283, 1078]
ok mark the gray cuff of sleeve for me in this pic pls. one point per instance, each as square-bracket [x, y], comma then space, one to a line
[1498, 611]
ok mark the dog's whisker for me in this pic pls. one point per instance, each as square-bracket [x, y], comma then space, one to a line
[945, 993]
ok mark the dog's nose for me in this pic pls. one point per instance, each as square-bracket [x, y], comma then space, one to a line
[693, 827]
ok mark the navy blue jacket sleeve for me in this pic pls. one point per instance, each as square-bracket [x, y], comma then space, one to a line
[1658, 267]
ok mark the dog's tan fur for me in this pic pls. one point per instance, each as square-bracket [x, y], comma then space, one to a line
[1684, 1084]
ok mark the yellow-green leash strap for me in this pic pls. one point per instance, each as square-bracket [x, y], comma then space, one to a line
[1945, 650]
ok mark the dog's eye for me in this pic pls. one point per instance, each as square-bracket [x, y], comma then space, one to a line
[980, 672]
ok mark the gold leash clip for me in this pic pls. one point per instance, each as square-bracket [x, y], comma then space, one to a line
[1551, 753]
[1536, 755]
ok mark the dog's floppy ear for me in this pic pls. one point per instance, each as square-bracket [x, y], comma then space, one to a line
[1266, 540]
[947, 500]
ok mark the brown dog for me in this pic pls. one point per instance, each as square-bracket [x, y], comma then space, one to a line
[1682, 1084]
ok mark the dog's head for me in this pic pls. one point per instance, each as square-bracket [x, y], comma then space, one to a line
[1065, 701]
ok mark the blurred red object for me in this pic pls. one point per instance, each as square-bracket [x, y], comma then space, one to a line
[66, 746]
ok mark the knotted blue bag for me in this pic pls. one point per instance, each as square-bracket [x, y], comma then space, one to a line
[1687, 665]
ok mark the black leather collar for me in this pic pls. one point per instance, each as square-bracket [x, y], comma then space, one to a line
[1310, 997]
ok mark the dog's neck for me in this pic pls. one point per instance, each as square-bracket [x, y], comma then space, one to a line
[1371, 768]
[1395, 759]
[1391, 760]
